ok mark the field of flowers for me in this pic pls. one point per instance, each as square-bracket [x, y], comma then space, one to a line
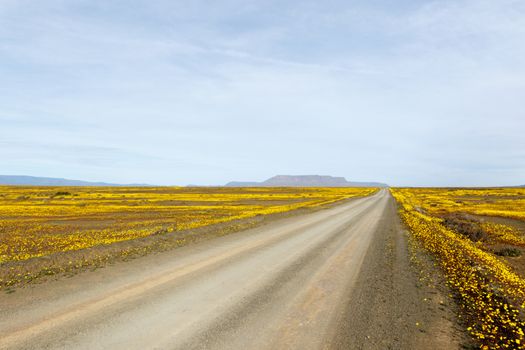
[45, 221]
[458, 227]
[502, 202]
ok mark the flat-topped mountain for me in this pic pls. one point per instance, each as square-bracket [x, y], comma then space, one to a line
[305, 181]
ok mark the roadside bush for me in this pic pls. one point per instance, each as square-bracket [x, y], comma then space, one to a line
[62, 193]
[465, 226]
[509, 251]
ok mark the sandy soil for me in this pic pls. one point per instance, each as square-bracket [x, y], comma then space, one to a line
[334, 279]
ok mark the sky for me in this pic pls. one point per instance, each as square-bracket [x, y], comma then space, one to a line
[411, 93]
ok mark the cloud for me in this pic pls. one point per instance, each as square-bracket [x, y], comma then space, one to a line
[246, 89]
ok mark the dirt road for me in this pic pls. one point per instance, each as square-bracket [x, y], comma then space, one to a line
[304, 282]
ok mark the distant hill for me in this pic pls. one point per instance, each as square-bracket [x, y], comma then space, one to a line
[23, 180]
[305, 181]
[242, 184]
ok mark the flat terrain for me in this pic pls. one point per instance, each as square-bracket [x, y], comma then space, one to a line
[475, 236]
[53, 230]
[334, 279]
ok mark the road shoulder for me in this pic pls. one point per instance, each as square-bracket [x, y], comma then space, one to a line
[398, 300]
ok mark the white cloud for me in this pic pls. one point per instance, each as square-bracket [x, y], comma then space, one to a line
[237, 89]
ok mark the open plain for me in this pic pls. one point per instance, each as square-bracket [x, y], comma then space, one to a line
[337, 278]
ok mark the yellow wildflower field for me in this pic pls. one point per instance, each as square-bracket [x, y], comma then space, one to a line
[42, 221]
[458, 226]
[502, 202]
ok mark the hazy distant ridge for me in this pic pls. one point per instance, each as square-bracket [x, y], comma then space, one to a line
[23, 180]
[276, 181]
[305, 181]
[242, 184]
